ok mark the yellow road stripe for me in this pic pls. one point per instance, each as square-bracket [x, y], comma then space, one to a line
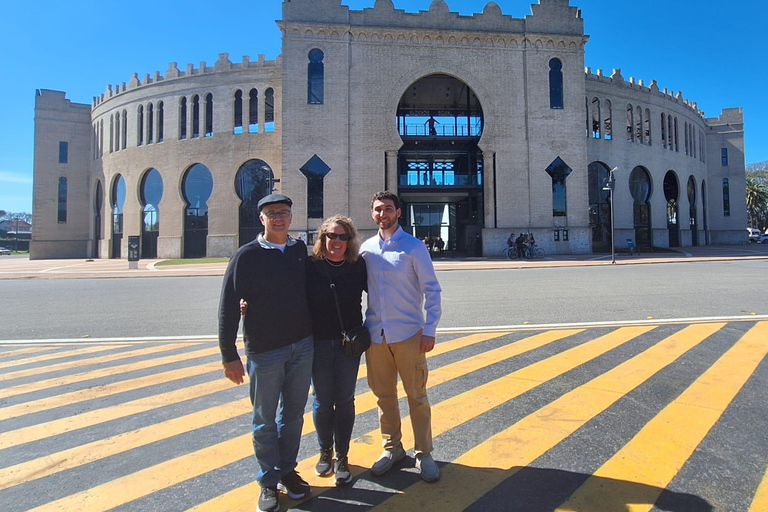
[81, 395]
[90, 452]
[47, 368]
[54, 355]
[482, 468]
[90, 418]
[105, 372]
[163, 475]
[14, 351]
[658, 451]
[760, 500]
[447, 414]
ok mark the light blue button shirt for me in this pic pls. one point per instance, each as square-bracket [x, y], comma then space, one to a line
[402, 285]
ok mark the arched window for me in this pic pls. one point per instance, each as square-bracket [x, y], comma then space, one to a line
[195, 116]
[596, 133]
[253, 111]
[558, 170]
[125, 129]
[111, 132]
[726, 198]
[150, 123]
[117, 131]
[630, 123]
[140, 126]
[238, 120]
[647, 127]
[639, 126]
[117, 198]
[670, 134]
[160, 121]
[663, 130]
[587, 118]
[677, 139]
[599, 206]
[693, 140]
[269, 110]
[62, 204]
[208, 114]
[151, 193]
[640, 189]
[685, 133]
[555, 83]
[315, 77]
[253, 181]
[607, 122]
[692, 210]
[183, 118]
[197, 185]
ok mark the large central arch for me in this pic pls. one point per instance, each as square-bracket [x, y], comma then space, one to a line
[439, 165]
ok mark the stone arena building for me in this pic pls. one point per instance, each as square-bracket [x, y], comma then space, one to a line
[483, 124]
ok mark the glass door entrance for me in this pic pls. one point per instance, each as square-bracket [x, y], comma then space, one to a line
[434, 224]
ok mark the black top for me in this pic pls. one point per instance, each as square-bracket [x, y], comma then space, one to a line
[350, 280]
[274, 284]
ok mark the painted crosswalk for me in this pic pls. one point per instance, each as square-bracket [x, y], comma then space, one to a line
[666, 416]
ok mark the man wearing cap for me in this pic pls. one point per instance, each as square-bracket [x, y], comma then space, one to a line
[269, 274]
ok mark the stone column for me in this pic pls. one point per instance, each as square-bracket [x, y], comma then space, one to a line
[391, 171]
[489, 188]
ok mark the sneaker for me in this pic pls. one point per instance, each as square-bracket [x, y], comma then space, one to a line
[293, 485]
[387, 460]
[427, 467]
[343, 474]
[268, 500]
[324, 466]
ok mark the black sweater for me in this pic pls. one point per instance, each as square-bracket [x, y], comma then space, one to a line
[274, 284]
[350, 280]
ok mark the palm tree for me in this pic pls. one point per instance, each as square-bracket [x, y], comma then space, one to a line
[757, 202]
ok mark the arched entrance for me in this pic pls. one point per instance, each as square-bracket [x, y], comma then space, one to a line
[196, 185]
[117, 199]
[253, 181]
[151, 193]
[640, 188]
[98, 204]
[692, 210]
[672, 195]
[440, 167]
[599, 207]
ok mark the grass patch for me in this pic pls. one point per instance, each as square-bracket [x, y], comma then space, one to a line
[191, 261]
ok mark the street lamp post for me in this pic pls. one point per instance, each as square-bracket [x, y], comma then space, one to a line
[609, 186]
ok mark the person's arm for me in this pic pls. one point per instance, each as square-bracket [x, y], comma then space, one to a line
[229, 322]
[430, 287]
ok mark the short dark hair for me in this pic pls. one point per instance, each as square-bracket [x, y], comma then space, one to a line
[383, 196]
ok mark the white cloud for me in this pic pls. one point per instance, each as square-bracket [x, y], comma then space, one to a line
[15, 177]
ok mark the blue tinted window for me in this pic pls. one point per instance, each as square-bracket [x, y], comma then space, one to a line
[555, 84]
[62, 200]
[63, 152]
[559, 172]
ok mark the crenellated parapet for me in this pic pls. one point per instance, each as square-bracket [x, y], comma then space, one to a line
[222, 65]
[617, 79]
[547, 17]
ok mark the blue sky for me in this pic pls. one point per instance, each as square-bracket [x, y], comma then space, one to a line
[713, 51]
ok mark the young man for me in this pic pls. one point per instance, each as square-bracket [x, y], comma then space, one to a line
[401, 286]
[269, 273]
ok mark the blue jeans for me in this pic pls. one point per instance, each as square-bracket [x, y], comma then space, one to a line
[334, 376]
[279, 377]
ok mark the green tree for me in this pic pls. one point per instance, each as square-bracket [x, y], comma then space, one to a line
[757, 202]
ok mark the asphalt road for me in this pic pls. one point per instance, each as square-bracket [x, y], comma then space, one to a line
[186, 306]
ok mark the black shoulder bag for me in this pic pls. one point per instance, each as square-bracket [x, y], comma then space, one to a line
[356, 340]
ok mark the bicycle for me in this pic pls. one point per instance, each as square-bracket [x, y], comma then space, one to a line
[509, 252]
[537, 252]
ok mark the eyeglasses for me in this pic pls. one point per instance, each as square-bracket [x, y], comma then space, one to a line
[282, 214]
[343, 237]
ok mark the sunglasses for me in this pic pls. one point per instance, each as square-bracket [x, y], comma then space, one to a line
[333, 236]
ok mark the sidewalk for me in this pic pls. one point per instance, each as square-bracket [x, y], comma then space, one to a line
[23, 268]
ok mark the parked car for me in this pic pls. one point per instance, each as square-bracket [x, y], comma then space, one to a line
[754, 234]
[763, 239]
[4, 251]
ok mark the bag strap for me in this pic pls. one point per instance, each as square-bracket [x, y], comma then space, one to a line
[335, 300]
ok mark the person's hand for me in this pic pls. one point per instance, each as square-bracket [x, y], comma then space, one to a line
[243, 306]
[427, 344]
[234, 371]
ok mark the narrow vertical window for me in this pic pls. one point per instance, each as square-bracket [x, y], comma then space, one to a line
[183, 118]
[63, 152]
[630, 123]
[238, 120]
[587, 127]
[140, 126]
[639, 126]
[724, 156]
[125, 129]
[670, 144]
[663, 130]
[726, 198]
[607, 122]
[685, 133]
[647, 127]
[62, 209]
[677, 139]
[555, 83]
[160, 121]
[111, 133]
[208, 114]
[315, 78]
[269, 110]
[253, 111]
[195, 116]
[315, 170]
[596, 125]
[150, 123]
[693, 140]
[558, 170]
[118, 140]
[101, 138]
